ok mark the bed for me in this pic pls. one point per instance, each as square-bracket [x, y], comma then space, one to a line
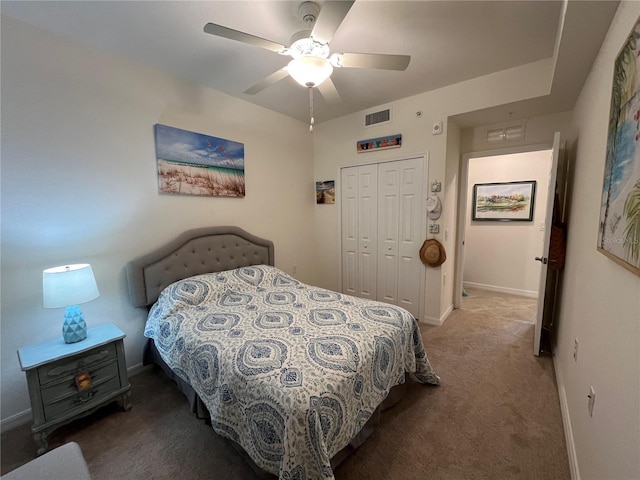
[293, 374]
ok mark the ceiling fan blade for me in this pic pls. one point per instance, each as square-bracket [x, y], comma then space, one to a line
[329, 92]
[230, 33]
[265, 82]
[331, 15]
[371, 60]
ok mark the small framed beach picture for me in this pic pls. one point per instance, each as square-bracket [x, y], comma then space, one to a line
[326, 192]
[191, 163]
[504, 202]
[380, 143]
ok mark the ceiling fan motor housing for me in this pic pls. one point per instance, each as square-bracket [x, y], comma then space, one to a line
[309, 12]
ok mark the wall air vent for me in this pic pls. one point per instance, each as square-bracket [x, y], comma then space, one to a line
[505, 133]
[376, 118]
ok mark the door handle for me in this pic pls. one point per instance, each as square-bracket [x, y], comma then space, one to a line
[544, 260]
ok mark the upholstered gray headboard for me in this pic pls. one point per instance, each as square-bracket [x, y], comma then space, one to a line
[203, 250]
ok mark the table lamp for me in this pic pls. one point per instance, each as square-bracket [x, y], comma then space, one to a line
[68, 286]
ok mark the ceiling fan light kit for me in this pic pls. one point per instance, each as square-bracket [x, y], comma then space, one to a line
[309, 71]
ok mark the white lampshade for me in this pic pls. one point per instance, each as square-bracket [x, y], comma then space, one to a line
[309, 71]
[68, 285]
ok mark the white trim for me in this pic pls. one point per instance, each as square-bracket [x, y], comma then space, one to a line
[438, 321]
[446, 313]
[566, 423]
[431, 321]
[15, 421]
[496, 288]
[138, 369]
[25, 416]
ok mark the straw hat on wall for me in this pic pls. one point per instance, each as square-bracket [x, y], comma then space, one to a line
[432, 253]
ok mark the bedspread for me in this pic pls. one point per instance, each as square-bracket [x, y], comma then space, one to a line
[289, 371]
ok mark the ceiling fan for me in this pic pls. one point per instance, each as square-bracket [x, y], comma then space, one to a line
[312, 61]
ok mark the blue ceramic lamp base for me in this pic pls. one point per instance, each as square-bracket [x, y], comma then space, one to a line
[74, 328]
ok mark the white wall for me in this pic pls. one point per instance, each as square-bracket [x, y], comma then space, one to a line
[335, 146]
[600, 303]
[537, 131]
[79, 183]
[500, 255]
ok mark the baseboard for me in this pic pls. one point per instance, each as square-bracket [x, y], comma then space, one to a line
[495, 288]
[446, 314]
[566, 423]
[431, 321]
[25, 417]
[137, 369]
[438, 321]
[15, 421]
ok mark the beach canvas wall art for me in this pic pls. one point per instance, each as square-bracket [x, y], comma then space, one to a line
[505, 201]
[619, 230]
[326, 192]
[191, 163]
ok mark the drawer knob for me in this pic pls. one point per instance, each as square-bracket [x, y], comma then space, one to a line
[85, 398]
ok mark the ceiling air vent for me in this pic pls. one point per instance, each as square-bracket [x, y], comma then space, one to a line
[505, 133]
[376, 118]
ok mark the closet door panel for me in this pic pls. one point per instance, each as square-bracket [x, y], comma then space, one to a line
[412, 209]
[388, 207]
[349, 225]
[367, 230]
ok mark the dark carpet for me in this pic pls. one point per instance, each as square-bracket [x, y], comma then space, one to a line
[496, 415]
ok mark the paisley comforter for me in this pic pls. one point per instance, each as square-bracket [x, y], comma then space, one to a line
[289, 371]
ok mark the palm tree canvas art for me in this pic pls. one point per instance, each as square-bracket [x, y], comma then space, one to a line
[619, 232]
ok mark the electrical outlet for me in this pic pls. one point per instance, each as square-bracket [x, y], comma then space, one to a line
[591, 400]
[575, 350]
[294, 269]
[444, 279]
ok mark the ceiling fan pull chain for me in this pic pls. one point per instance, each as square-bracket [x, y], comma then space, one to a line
[312, 121]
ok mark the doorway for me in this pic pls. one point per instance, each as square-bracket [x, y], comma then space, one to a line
[498, 255]
[540, 219]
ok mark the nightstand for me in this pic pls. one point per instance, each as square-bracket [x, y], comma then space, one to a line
[70, 380]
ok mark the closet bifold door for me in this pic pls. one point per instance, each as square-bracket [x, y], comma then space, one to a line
[359, 230]
[349, 229]
[382, 206]
[400, 187]
[388, 229]
[411, 234]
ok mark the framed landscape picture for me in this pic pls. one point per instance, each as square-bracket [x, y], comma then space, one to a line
[504, 202]
[619, 228]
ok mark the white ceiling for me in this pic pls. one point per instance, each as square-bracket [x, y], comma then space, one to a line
[449, 42]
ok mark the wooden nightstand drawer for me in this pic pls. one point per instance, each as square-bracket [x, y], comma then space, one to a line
[67, 387]
[63, 402]
[70, 366]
